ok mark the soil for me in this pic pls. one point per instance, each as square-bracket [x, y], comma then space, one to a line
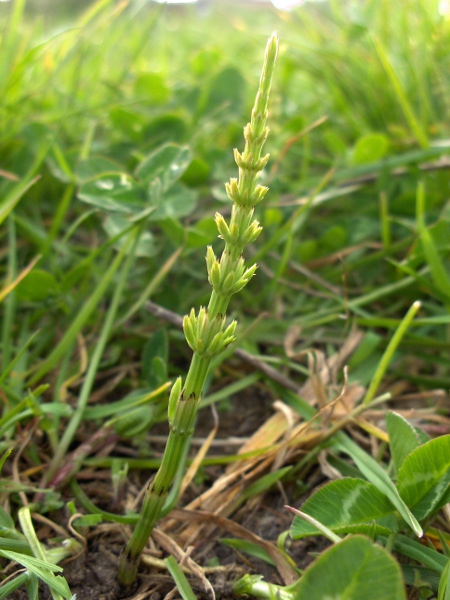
[93, 574]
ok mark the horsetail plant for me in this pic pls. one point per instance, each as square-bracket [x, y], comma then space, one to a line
[207, 332]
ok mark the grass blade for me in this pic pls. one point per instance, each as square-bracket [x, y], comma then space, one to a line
[389, 352]
[179, 577]
[81, 318]
[402, 98]
[438, 270]
[378, 476]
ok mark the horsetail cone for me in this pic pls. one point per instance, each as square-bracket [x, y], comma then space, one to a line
[207, 331]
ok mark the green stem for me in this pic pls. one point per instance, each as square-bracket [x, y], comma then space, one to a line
[181, 429]
[218, 304]
[196, 376]
[206, 332]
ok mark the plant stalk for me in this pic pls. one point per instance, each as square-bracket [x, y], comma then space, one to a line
[207, 332]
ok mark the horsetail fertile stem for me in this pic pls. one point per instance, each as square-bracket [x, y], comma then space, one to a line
[206, 331]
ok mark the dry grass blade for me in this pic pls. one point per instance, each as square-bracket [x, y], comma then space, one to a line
[287, 572]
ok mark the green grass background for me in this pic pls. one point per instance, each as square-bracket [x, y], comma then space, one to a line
[356, 223]
[346, 240]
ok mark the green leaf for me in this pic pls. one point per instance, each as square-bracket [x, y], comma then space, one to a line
[128, 122]
[133, 422]
[420, 577]
[155, 358]
[88, 521]
[80, 319]
[444, 584]
[167, 127]
[197, 172]
[167, 163]
[205, 60]
[94, 166]
[249, 548]
[378, 476]
[8, 487]
[117, 223]
[335, 237]
[424, 555]
[6, 521]
[369, 344]
[173, 230]
[264, 483]
[37, 286]
[227, 88]
[9, 587]
[439, 272]
[56, 409]
[202, 233]
[152, 87]
[139, 397]
[403, 438]
[9, 201]
[353, 569]
[3, 459]
[178, 202]
[43, 570]
[424, 478]
[158, 369]
[347, 505]
[113, 192]
[58, 164]
[32, 587]
[370, 148]
[179, 577]
[37, 135]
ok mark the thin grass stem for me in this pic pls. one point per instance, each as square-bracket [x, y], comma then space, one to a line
[74, 422]
[84, 313]
[389, 352]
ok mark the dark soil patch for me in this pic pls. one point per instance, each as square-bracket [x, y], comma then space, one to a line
[93, 574]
